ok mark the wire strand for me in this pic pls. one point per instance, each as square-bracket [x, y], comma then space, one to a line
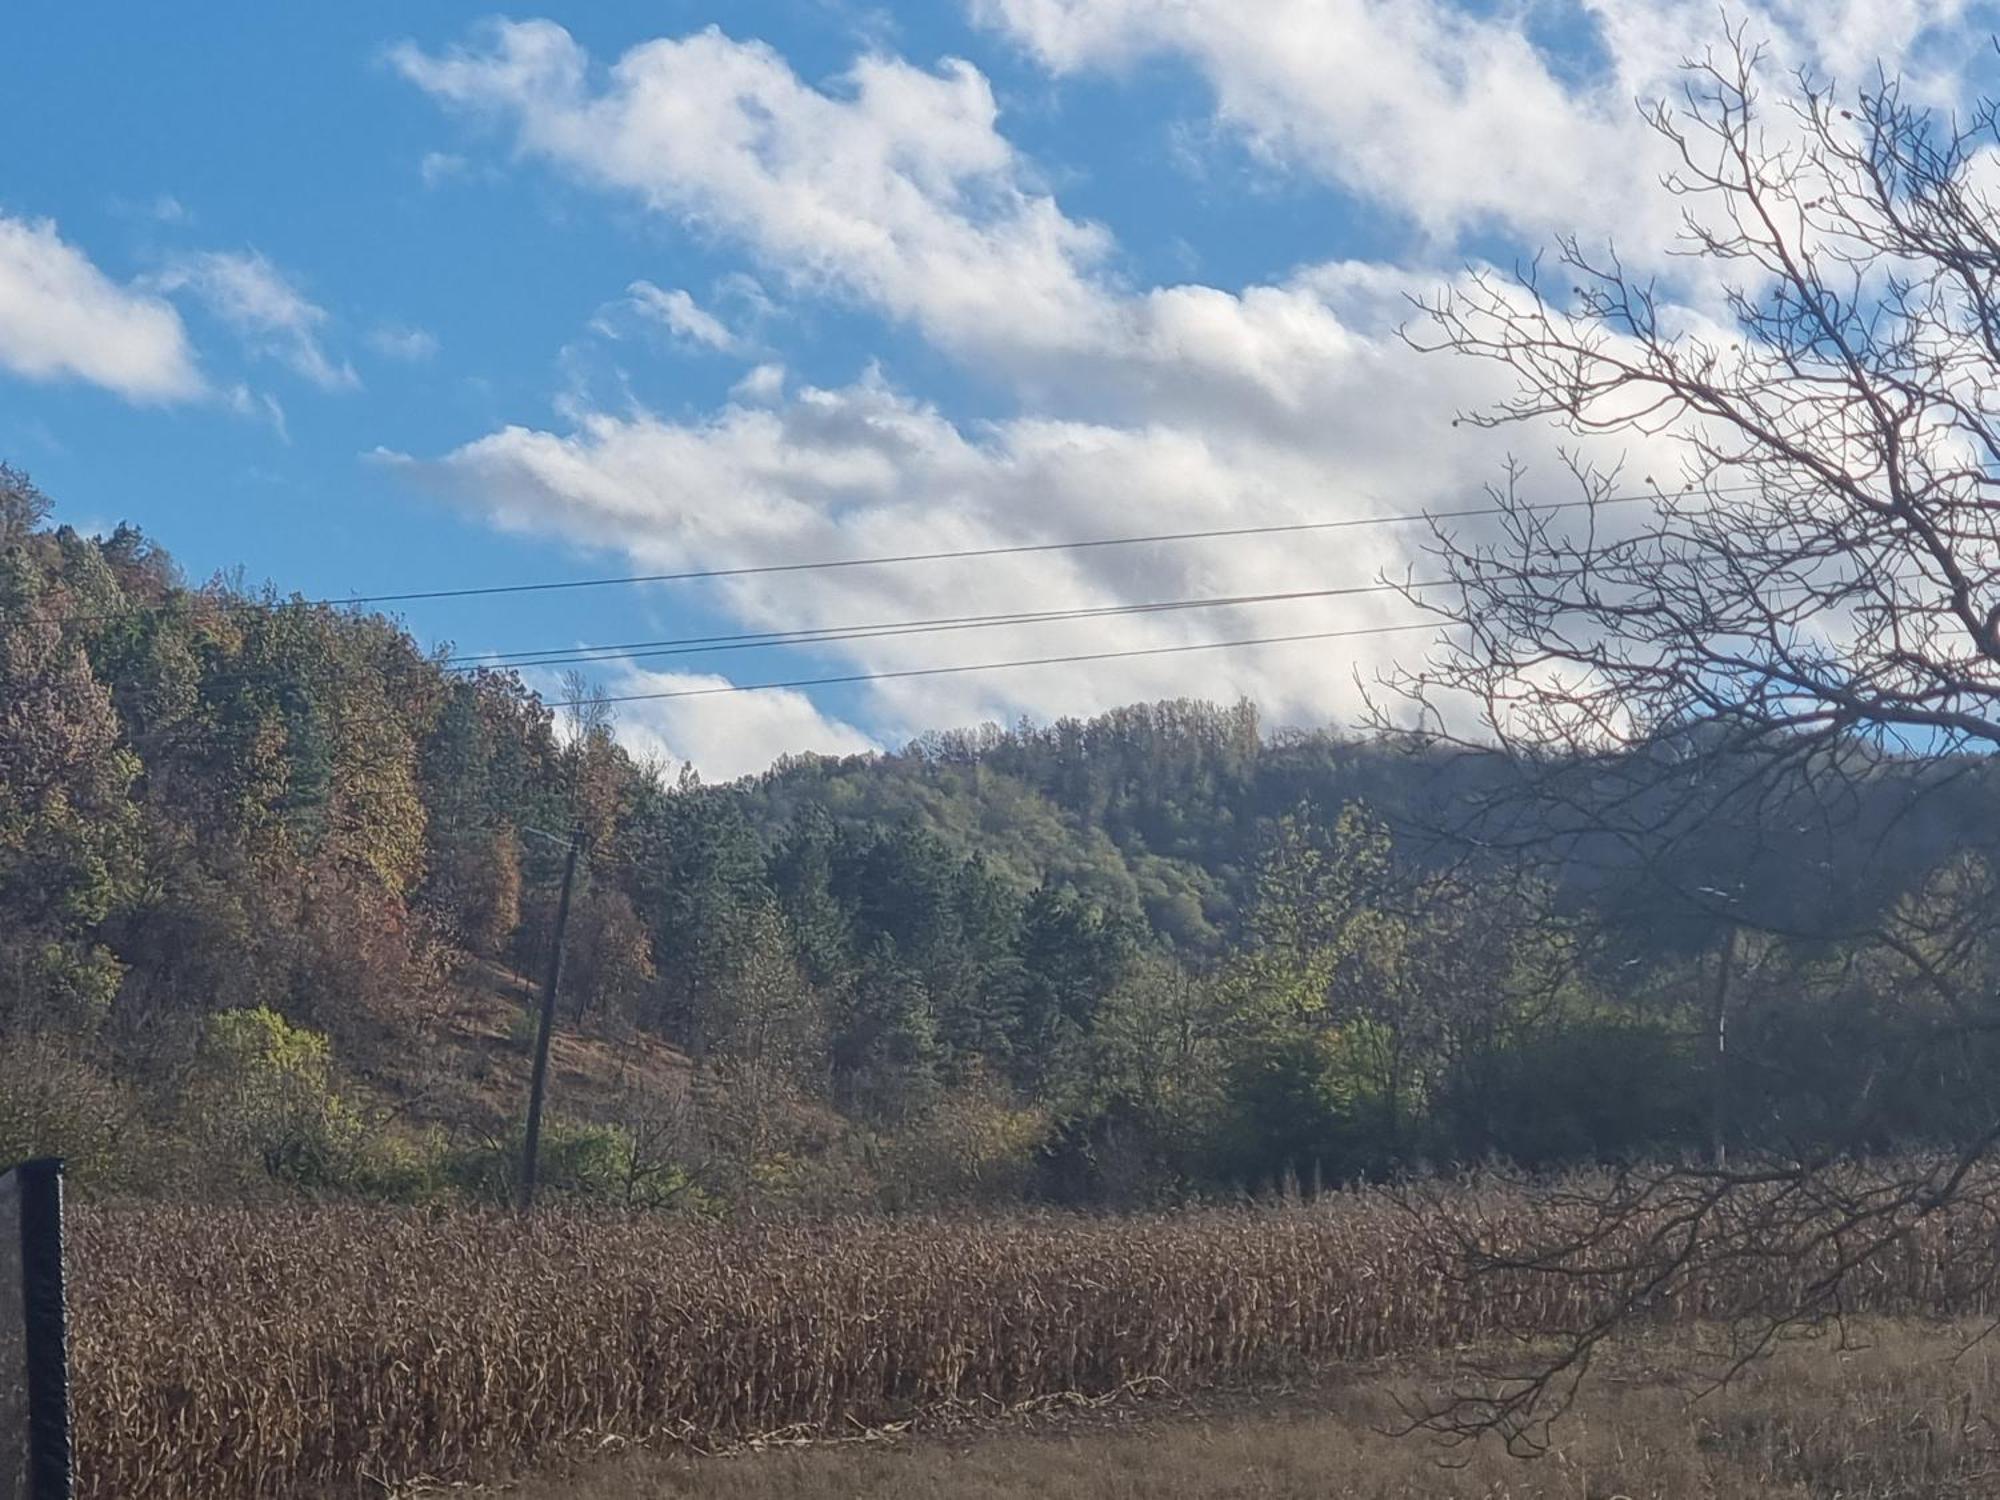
[995, 666]
[811, 636]
[690, 575]
[1012, 550]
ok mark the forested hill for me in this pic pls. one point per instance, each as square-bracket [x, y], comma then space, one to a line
[273, 894]
[1156, 811]
[1163, 813]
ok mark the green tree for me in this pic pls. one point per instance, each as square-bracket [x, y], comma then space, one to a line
[68, 832]
[1071, 956]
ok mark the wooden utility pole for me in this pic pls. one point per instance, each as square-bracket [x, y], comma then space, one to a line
[538, 1084]
[1718, 1084]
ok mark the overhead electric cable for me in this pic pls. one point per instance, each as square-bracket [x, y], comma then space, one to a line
[1011, 550]
[994, 666]
[810, 636]
[689, 575]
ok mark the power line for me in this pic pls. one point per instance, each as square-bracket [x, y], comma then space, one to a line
[1011, 550]
[690, 575]
[809, 636]
[995, 666]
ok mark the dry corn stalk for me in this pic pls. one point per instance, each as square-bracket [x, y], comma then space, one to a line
[237, 1353]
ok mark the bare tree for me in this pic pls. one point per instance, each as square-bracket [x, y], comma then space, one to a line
[1807, 607]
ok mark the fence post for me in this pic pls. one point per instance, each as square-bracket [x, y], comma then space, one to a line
[35, 1437]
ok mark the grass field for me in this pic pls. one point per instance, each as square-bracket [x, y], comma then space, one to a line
[1905, 1412]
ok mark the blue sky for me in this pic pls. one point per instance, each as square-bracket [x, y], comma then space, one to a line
[367, 297]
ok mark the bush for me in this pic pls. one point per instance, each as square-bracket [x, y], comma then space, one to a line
[973, 1145]
[54, 1104]
[590, 1163]
[264, 1104]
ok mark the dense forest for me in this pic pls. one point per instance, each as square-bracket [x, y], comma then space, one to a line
[277, 884]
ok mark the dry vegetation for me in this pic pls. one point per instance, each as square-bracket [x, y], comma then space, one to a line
[1888, 1415]
[244, 1352]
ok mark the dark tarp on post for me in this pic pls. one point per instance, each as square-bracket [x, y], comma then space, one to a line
[34, 1336]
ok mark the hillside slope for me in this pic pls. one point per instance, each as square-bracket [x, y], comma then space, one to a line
[268, 898]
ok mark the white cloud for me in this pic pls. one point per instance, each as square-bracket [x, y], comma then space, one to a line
[1171, 408]
[866, 470]
[63, 319]
[898, 191]
[1164, 409]
[725, 734]
[254, 298]
[162, 209]
[411, 345]
[682, 316]
[764, 383]
[744, 292]
[1454, 115]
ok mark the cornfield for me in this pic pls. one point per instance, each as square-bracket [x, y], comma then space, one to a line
[309, 1350]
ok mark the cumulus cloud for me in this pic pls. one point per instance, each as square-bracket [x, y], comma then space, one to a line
[254, 298]
[764, 383]
[898, 191]
[1454, 115]
[725, 734]
[61, 318]
[867, 470]
[1129, 409]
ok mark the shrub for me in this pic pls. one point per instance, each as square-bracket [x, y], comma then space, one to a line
[585, 1162]
[264, 1105]
[54, 1104]
[972, 1145]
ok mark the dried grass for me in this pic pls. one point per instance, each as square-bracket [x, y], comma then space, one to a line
[1889, 1417]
